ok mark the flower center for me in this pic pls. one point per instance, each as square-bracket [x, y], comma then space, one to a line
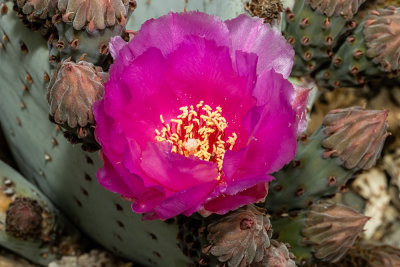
[198, 131]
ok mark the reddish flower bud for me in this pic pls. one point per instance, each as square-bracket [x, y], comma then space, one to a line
[72, 90]
[95, 14]
[345, 8]
[355, 135]
[240, 237]
[382, 37]
[331, 229]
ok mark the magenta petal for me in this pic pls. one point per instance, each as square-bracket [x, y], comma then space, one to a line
[132, 160]
[118, 180]
[245, 183]
[270, 86]
[144, 81]
[114, 98]
[273, 133]
[251, 35]
[274, 142]
[240, 192]
[200, 70]
[107, 133]
[167, 32]
[175, 171]
[246, 66]
[121, 54]
[232, 161]
[185, 201]
[110, 179]
[299, 104]
[225, 202]
[115, 46]
[147, 201]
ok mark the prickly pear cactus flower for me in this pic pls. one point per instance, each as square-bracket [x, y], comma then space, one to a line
[196, 115]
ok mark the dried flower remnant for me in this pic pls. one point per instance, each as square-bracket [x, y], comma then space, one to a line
[24, 218]
[269, 10]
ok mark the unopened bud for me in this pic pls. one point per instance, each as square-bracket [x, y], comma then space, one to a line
[95, 15]
[277, 255]
[331, 229]
[345, 8]
[36, 8]
[72, 90]
[382, 37]
[241, 237]
[355, 135]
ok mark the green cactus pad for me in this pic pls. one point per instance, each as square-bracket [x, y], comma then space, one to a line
[308, 178]
[313, 36]
[350, 65]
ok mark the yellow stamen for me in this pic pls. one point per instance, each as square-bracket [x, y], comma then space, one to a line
[199, 133]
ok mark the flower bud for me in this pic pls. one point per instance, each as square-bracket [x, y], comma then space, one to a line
[95, 14]
[72, 90]
[382, 37]
[345, 8]
[278, 255]
[36, 8]
[355, 135]
[331, 229]
[241, 237]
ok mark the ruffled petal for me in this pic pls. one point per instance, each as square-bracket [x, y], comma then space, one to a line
[115, 46]
[118, 180]
[110, 179]
[167, 32]
[186, 201]
[155, 88]
[251, 35]
[143, 96]
[251, 192]
[114, 175]
[299, 104]
[273, 143]
[107, 133]
[273, 129]
[175, 171]
[122, 57]
[201, 70]
[246, 66]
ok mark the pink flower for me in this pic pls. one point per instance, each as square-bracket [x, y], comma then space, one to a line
[196, 114]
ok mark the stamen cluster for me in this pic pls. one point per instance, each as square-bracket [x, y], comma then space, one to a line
[198, 131]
